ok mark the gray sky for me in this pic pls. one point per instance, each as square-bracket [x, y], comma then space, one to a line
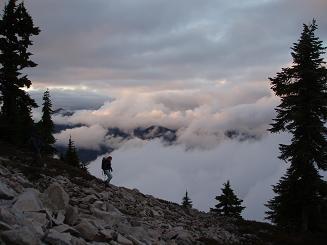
[201, 67]
[166, 45]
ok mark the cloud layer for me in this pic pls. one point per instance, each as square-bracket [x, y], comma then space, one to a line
[166, 172]
[200, 118]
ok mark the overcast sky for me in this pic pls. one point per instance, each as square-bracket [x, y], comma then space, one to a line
[201, 67]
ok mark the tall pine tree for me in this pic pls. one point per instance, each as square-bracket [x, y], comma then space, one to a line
[46, 125]
[16, 30]
[300, 201]
[71, 156]
[187, 203]
[228, 203]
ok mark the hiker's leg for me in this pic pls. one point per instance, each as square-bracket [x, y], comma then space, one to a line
[109, 177]
[107, 173]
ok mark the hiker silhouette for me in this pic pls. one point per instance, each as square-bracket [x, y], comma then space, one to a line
[107, 169]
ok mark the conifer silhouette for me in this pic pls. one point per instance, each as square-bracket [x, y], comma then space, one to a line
[300, 203]
[46, 125]
[16, 30]
[71, 156]
[187, 203]
[228, 203]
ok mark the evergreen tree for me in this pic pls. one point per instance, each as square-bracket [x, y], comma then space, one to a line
[187, 203]
[228, 203]
[300, 203]
[16, 30]
[71, 156]
[46, 125]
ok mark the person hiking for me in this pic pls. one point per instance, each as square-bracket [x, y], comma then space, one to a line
[107, 169]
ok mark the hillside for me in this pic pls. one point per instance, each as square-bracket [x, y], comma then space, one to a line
[63, 205]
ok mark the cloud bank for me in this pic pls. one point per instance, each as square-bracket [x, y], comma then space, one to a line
[200, 118]
[167, 171]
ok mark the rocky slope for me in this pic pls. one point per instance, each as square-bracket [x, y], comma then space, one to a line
[62, 205]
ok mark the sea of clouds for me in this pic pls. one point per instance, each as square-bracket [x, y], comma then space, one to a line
[168, 171]
[202, 159]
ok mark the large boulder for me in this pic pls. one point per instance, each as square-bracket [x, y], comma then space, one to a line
[87, 230]
[55, 197]
[28, 201]
[21, 236]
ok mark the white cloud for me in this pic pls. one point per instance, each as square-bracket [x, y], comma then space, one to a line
[167, 171]
[84, 137]
[200, 118]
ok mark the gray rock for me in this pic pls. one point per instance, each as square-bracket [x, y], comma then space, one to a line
[184, 238]
[89, 199]
[56, 238]
[23, 181]
[71, 217]
[6, 192]
[112, 209]
[37, 229]
[99, 205]
[28, 201]
[123, 240]
[106, 195]
[78, 241]
[134, 240]
[55, 197]
[99, 224]
[3, 170]
[114, 243]
[111, 218]
[38, 217]
[87, 230]
[109, 234]
[68, 229]
[7, 217]
[4, 226]
[59, 218]
[21, 236]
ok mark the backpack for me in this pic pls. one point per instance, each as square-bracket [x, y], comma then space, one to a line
[106, 164]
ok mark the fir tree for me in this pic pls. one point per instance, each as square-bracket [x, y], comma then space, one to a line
[16, 30]
[71, 156]
[300, 201]
[187, 203]
[228, 203]
[46, 125]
